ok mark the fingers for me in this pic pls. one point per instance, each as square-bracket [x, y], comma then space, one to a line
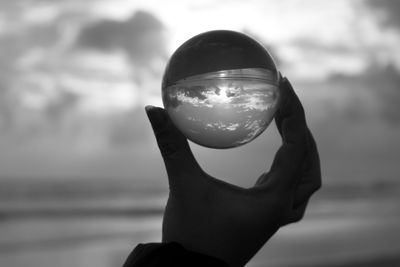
[290, 109]
[296, 167]
[309, 184]
[262, 179]
[178, 158]
[311, 175]
[291, 123]
[295, 215]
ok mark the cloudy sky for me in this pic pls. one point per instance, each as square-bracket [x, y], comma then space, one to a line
[223, 113]
[75, 76]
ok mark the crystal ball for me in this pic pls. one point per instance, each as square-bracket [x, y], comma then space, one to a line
[220, 89]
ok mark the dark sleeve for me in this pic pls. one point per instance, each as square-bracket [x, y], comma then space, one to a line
[169, 255]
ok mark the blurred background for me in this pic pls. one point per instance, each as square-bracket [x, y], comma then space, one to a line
[81, 178]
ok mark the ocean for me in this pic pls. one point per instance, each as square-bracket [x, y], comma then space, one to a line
[101, 229]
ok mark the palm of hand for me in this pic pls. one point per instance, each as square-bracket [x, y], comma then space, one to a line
[221, 220]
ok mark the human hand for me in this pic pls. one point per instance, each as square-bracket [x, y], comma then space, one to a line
[231, 223]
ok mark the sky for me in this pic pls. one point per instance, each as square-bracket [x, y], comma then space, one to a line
[76, 75]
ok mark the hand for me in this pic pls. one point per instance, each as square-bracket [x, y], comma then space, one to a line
[219, 219]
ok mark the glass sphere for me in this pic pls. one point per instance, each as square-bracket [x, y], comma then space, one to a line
[220, 89]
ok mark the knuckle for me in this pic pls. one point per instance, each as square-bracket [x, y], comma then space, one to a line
[298, 217]
[291, 217]
[317, 186]
[168, 149]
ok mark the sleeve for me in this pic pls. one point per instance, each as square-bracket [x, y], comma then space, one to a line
[170, 254]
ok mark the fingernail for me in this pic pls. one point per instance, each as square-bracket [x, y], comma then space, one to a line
[156, 116]
[282, 80]
[280, 76]
[149, 107]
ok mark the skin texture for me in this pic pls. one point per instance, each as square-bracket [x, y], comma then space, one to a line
[213, 217]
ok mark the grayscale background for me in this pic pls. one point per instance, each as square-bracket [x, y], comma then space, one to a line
[81, 178]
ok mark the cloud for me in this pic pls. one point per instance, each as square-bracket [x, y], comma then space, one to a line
[316, 45]
[14, 45]
[64, 103]
[310, 58]
[374, 93]
[196, 91]
[385, 85]
[391, 9]
[272, 50]
[196, 94]
[141, 37]
[171, 101]
[49, 85]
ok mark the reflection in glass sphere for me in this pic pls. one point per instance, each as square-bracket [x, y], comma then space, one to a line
[220, 89]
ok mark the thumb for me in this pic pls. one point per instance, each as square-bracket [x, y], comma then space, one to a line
[179, 161]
